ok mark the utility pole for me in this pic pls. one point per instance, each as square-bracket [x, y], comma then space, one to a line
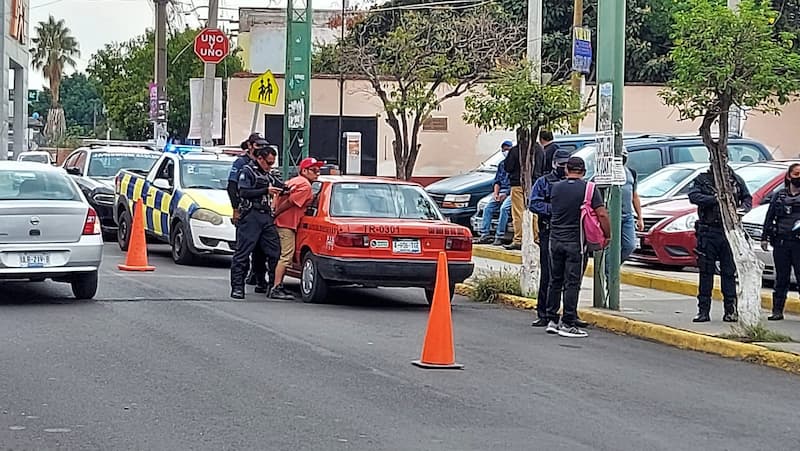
[340, 148]
[207, 113]
[611, 83]
[297, 108]
[160, 125]
[577, 77]
[534, 39]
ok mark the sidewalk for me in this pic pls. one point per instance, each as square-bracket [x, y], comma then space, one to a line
[666, 317]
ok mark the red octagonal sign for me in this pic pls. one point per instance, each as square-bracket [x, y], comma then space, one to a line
[211, 45]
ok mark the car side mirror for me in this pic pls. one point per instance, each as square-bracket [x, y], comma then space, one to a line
[162, 184]
[74, 171]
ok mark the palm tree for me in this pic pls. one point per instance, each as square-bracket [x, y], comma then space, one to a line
[55, 49]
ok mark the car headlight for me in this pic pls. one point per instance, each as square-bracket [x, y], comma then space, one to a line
[682, 224]
[205, 215]
[456, 200]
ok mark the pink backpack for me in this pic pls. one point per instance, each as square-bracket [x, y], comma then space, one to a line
[593, 236]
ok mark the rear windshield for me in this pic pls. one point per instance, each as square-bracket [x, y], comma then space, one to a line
[382, 200]
[663, 181]
[36, 185]
[37, 158]
[107, 164]
[756, 176]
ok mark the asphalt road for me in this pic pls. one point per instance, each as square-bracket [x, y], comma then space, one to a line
[164, 361]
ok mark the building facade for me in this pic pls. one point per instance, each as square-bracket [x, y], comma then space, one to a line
[14, 59]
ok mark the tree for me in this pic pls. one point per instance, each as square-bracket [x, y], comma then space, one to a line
[125, 70]
[513, 100]
[55, 49]
[81, 101]
[424, 59]
[723, 59]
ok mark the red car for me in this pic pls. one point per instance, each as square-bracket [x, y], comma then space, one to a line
[376, 233]
[668, 238]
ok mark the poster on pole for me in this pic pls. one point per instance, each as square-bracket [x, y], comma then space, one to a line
[196, 98]
[581, 50]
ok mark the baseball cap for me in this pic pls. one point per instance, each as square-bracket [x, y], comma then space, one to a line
[561, 156]
[255, 136]
[575, 164]
[308, 163]
[260, 143]
[507, 143]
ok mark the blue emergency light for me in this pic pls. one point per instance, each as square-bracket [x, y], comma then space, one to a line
[182, 149]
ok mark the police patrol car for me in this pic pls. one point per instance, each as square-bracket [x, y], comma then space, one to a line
[185, 202]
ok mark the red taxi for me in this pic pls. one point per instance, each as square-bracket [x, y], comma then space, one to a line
[668, 238]
[375, 233]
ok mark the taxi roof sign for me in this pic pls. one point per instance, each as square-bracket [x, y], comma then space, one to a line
[264, 90]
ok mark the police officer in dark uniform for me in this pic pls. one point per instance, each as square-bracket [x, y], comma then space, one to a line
[713, 246]
[256, 228]
[782, 231]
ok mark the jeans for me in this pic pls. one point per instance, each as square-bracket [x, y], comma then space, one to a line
[566, 271]
[488, 214]
[628, 243]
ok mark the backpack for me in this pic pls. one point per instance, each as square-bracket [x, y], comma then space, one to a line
[593, 237]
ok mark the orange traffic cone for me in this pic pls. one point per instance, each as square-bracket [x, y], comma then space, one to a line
[438, 351]
[136, 259]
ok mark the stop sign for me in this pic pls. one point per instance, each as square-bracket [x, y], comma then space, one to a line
[211, 45]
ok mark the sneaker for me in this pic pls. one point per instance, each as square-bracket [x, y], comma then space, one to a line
[513, 247]
[571, 331]
[237, 293]
[261, 288]
[280, 293]
[552, 328]
[484, 239]
[251, 279]
[541, 322]
[581, 323]
[497, 242]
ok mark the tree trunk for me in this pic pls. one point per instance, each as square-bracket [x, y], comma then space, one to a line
[56, 125]
[749, 268]
[529, 276]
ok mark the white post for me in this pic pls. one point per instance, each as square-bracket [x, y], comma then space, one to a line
[207, 114]
[3, 84]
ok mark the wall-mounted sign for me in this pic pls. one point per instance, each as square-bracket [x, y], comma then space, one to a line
[19, 14]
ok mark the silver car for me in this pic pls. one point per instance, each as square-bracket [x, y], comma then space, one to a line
[47, 228]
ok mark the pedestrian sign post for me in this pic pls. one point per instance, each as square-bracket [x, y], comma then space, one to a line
[264, 90]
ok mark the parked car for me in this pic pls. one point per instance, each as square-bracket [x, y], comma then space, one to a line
[458, 196]
[48, 229]
[94, 168]
[377, 233]
[671, 182]
[36, 157]
[646, 155]
[668, 238]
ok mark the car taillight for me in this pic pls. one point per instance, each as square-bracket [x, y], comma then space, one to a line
[351, 240]
[456, 243]
[92, 224]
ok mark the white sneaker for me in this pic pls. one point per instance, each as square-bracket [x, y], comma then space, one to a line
[552, 328]
[568, 331]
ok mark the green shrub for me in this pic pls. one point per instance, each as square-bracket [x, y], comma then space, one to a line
[757, 334]
[489, 284]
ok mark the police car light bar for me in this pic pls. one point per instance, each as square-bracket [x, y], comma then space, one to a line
[181, 149]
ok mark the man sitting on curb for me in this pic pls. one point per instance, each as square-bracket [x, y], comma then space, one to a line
[501, 199]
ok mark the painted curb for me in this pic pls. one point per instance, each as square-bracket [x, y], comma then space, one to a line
[678, 338]
[643, 279]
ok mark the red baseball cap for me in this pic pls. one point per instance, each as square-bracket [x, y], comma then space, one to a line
[308, 163]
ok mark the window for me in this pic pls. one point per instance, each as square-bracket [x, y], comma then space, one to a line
[382, 200]
[167, 171]
[744, 153]
[106, 164]
[756, 176]
[36, 158]
[690, 154]
[211, 174]
[80, 161]
[313, 207]
[645, 161]
[36, 185]
[737, 153]
[663, 181]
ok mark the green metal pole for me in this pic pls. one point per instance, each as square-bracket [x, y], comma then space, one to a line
[611, 83]
[297, 110]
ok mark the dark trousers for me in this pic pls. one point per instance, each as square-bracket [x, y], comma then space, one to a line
[713, 247]
[544, 274]
[785, 255]
[259, 261]
[255, 230]
[566, 271]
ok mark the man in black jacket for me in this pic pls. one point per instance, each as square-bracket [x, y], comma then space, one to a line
[550, 148]
[513, 165]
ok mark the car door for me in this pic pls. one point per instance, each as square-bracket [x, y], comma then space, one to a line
[158, 199]
[313, 230]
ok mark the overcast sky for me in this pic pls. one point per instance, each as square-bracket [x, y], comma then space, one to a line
[97, 22]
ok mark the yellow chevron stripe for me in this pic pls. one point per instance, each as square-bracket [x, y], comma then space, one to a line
[157, 222]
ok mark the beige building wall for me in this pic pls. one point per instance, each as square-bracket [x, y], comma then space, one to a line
[462, 146]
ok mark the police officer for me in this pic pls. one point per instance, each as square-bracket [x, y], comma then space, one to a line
[255, 227]
[258, 270]
[712, 245]
[782, 230]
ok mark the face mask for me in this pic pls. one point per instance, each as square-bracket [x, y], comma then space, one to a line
[505, 153]
[795, 181]
[561, 172]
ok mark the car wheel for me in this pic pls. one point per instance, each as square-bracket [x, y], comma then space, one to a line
[181, 254]
[84, 286]
[313, 287]
[124, 230]
[429, 294]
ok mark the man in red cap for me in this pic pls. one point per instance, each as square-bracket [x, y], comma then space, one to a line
[289, 211]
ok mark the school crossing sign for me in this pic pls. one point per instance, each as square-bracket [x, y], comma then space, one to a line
[264, 90]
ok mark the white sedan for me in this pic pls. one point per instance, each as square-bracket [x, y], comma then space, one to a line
[47, 230]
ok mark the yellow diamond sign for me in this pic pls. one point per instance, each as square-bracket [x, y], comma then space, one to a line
[264, 90]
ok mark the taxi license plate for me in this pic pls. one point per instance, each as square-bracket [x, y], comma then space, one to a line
[406, 247]
[34, 260]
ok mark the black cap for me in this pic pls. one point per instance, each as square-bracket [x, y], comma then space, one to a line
[576, 164]
[260, 143]
[255, 136]
[561, 156]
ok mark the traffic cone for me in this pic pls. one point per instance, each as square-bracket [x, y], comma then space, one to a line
[136, 259]
[438, 350]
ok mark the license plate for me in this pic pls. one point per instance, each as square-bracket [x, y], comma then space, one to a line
[406, 247]
[34, 260]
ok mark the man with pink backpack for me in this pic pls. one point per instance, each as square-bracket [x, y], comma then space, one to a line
[579, 224]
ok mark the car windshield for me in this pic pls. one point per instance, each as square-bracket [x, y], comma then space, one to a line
[587, 154]
[755, 176]
[36, 158]
[663, 181]
[211, 174]
[490, 164]
[382, 200]
[107, 164]
[36, 185]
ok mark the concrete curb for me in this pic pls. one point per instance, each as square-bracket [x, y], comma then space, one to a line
[667, 335]
[642, 279]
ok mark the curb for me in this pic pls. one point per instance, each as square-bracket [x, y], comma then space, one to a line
[678, 338]
[642, 279]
